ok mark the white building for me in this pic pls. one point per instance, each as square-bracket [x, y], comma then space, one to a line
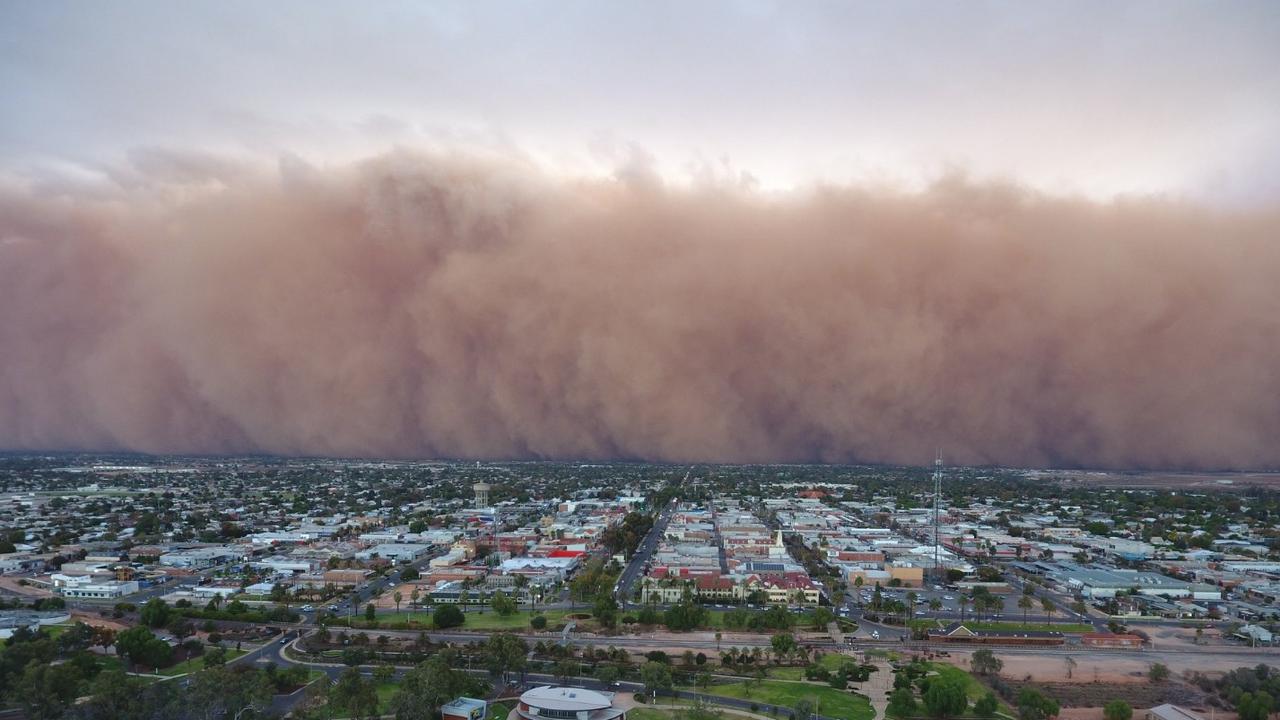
[395, 552]
[88, 588]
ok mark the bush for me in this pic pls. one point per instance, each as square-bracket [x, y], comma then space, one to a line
[448, 616]
[538, 622]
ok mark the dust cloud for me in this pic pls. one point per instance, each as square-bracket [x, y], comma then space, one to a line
[422, 305]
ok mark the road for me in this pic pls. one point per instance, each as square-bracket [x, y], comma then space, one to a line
[635, 568]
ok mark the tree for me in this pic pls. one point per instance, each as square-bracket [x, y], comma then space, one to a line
[803, 709]
[413, 598]
[1025, 603]
[216, 657]
[605, 610]
[783, 645]
[46, 691]
[155, 613]
[607, 674]
[718, 637]
[902, 702]
[396, 597]
[566, 669]
[504, 653]
[821, 617]
[946, 697]
[1255, 705]
[1158, 673]
[448, 616]
[1048, 607]
[1035, 705]
[538, 622]
[503, 604]
[985, 662]
[986, 706]
[655, 676]
[1117, 710]
[356, 696]
[1071, 666]
[370, 612]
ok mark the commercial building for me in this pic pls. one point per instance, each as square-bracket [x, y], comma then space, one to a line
[87, 588]
[395, 552]
[465, 708]
[565, 703]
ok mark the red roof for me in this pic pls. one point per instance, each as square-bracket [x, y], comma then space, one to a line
[566, 553]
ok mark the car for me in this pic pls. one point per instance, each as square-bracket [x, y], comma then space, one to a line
[875, 634]
[308, 608]
[284, 641]
[948, 597]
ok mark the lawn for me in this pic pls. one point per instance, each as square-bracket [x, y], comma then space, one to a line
[826, 700]
[197, 663]
[641, 713]
[500, 711]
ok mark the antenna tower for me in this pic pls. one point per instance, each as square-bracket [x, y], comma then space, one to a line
[937, 495]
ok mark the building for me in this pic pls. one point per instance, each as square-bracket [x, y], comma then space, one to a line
[565, 703]
[1111, 640]
[1170, 712]
[958, 633]
[197, 558]
[465, 708]
[12, 620]
[87, 588]
[395, 552]
[482, 494]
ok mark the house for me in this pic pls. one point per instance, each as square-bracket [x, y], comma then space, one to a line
[958, 633]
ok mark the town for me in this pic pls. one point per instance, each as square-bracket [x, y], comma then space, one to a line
[325, 588]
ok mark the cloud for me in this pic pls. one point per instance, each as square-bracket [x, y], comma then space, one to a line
[455, 305]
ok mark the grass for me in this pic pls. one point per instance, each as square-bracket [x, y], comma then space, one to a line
[196, 664]
[972, 688]
[642, 713]
[499, 711]
[827, 701]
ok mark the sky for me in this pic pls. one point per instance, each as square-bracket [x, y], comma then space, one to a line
[1094, 98]
[1023, 234]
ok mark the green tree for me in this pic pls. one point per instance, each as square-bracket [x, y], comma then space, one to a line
[448, 616]
[1025, 603]
[505, 653]
[902, 702]
[607, 674]
[155, 613]
[503, 604]
[783, 645]
[946, 697]
[655, 676]
[1117, 710]
[370, 612]
[357, 697]
[986, 706]
[397, 597]
[1255, 705]
[985, 662]
[605, 610]
[1158, 673]
[1035, 705]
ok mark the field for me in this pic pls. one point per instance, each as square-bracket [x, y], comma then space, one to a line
[827, 701]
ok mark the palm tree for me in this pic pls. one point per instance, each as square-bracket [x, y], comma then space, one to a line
[397, 597]
[1025, 603]
[1049, 608]
[964, 602]
[718, 636]
[935, 605]
[413, 598]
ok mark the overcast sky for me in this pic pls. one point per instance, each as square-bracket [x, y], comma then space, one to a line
[1094, 98]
